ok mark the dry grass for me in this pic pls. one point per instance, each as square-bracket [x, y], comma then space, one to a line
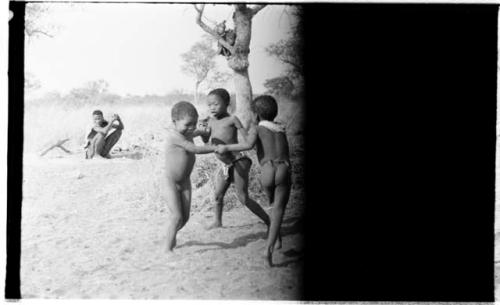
[144, 132]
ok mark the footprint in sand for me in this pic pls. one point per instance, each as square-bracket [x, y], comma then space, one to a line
[127, 250]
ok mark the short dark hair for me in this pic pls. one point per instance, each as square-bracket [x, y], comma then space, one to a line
[265, 107]
[222, 94]
[183, 109]
[97, 112]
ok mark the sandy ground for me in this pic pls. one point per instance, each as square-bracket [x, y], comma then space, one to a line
[95, 229]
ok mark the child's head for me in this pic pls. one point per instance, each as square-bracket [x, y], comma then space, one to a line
[265, 107]
[98, 117]
[218, 101]
[184, 116]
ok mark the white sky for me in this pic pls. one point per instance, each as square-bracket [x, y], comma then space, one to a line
[136, 47]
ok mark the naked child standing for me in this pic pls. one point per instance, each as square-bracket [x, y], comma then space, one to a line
[180, 158]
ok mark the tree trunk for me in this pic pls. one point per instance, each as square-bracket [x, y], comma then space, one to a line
[238, 58]
[243, 97]
[238, 62]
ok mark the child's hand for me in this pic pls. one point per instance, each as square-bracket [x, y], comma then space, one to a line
[221, 149]
[203, 124]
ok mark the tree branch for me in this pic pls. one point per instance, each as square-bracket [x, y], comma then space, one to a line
[256, 8]
[211, 31]
[33, 32]
[57, 144]
[291, 63]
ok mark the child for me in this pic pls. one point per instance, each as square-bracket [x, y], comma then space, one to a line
[273, 155]
[222, 129]
[180, 158]
[99, 142]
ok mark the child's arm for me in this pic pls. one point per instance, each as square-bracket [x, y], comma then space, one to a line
[249, 140]
[203, 133]
[195, 149]
[104, 130]
[203, 130]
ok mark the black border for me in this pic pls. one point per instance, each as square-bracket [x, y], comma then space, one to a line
[15, 150]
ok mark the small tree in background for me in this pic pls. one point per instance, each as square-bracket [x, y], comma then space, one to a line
[217, 79]
[198, 62]
[91, 93]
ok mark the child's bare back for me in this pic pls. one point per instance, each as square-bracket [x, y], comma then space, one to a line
[273, 154]
[271, 146]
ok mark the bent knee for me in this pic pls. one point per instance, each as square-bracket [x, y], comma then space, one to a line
[218, 197]
[98, 136]
[242, 196]
[176, 218]
[117, 132]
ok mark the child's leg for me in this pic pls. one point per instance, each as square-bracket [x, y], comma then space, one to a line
[241, 171]
[267, 180]
[186, 203]
[110, 141]
[221, 186]
[90, 152]
[281, 195]
[99, 144]
[174, 204]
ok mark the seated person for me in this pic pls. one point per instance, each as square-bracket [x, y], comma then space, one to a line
[103, 135]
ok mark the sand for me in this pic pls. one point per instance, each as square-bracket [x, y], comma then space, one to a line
[96, 229]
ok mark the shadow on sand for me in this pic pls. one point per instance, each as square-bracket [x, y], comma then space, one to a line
[242, 241]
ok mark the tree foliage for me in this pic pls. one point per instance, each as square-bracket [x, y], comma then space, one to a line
[33, 23]
[281, 86]
[94, 92]
[217, 78]
[290, 52]
[31, 83]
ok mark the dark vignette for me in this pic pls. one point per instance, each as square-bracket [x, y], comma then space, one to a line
[400, 152]
[15, 150]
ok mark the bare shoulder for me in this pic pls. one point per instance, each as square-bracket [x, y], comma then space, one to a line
[172, 137]
[236, 121]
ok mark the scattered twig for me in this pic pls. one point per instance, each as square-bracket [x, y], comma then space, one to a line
[57, 144]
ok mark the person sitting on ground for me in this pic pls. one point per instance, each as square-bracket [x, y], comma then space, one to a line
[273, 154]
[103, 135]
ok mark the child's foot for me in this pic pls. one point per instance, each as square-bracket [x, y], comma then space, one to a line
[214, 225]
[170, 253]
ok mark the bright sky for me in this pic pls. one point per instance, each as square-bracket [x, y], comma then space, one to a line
[136, 47]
